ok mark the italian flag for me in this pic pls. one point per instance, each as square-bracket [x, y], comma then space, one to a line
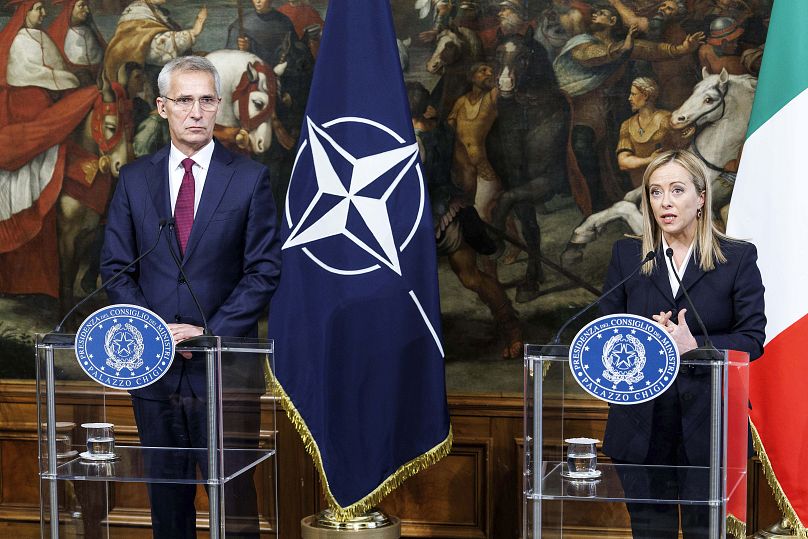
[769, 207]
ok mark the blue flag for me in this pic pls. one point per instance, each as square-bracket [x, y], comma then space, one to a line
[356, 318]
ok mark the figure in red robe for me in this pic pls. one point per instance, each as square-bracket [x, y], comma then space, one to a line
[302, 16]
[39, 108]
[75, 33]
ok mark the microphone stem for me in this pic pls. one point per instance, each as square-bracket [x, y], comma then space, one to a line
[205, 330]
[707, 342]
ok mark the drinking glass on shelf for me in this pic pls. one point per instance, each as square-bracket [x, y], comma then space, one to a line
[582, 458]
[100, 440]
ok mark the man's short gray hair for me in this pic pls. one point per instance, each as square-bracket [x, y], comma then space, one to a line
[187, 63]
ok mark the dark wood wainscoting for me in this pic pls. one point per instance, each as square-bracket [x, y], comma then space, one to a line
[473, 493]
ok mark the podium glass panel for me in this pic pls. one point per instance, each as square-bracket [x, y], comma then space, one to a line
[231, 445]
[556, 506]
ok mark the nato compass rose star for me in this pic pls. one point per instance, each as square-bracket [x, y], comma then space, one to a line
[372, 210]
[352, 197]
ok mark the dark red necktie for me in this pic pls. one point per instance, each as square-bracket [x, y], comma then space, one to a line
[184, 209]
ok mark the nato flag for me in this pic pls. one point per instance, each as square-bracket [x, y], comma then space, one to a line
[356, 319]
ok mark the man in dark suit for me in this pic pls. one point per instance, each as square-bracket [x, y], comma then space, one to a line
[228, 246]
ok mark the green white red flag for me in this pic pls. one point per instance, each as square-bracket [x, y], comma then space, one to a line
[769, 208]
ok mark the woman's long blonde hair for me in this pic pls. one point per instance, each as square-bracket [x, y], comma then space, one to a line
[706, 248]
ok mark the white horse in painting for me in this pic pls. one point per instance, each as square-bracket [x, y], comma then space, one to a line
[248, 85]
[718, 111]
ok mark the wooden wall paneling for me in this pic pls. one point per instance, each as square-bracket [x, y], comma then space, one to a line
[298, 483]
[19, 481]
[504, 423]
[18, 461]
[519, 447]
[507, 472]
[761, 508]
[452, 499]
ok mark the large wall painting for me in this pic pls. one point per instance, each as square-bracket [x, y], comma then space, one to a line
[535, 122]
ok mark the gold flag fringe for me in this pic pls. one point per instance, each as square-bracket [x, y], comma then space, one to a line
[735, 527]
[395, 480]
[779, 495]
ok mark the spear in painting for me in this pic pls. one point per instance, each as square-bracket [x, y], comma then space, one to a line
[240, 12]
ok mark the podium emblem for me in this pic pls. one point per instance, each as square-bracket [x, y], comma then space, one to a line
[624, 359]
[124, 347]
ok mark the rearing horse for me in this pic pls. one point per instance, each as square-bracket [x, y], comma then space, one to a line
[528, 144]
[719, 110]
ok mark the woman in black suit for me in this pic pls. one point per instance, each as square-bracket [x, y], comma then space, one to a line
[723, 280]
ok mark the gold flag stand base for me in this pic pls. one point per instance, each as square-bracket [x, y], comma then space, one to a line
[372, 525]
[781, 530]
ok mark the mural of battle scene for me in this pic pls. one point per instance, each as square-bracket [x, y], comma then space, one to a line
[535, 122]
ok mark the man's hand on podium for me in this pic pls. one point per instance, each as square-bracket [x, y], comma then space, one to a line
[181, 332]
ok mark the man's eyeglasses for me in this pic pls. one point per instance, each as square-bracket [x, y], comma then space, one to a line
[207, 104]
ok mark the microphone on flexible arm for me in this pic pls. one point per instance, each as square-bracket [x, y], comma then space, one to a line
[59, 328]
[557, 339]
[708, 351]
[205, 330]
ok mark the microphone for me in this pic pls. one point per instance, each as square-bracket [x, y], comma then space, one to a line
[205, 330]
[708, 344]
[648, 257]
[60, 326]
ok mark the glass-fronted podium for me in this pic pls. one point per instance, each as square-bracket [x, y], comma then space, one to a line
[230, 439]
[559, 504]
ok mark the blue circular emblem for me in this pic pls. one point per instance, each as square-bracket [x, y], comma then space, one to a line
[624, 359]
[124, 347]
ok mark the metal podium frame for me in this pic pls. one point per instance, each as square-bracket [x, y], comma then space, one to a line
[549, 382]
[54, 353]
